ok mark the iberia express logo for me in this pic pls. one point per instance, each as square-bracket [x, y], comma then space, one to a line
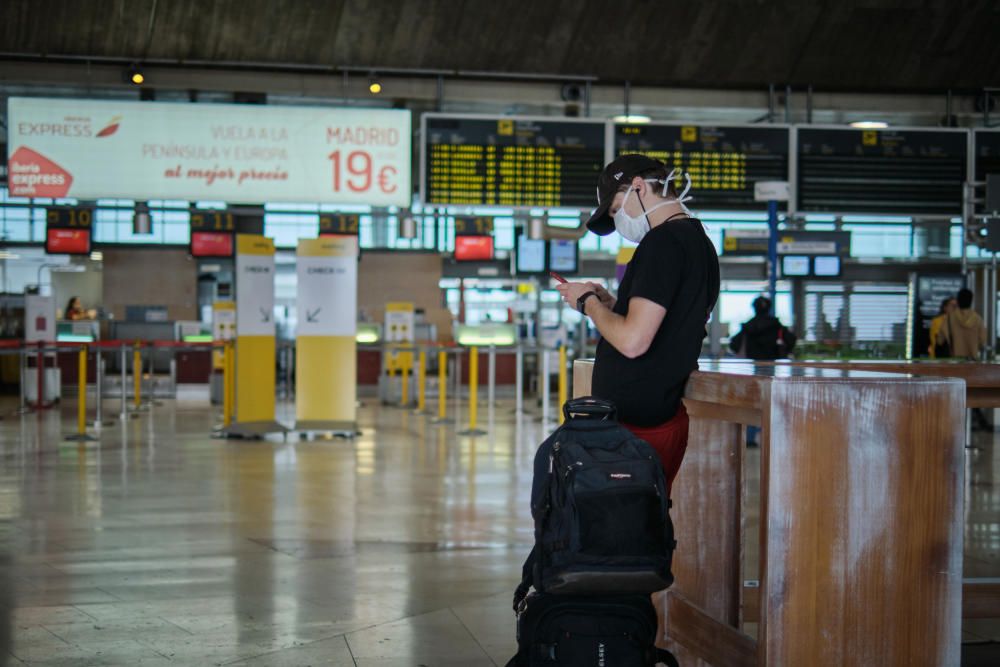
[111, 127]
[31, 174]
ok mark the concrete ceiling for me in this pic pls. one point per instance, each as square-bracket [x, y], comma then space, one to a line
[853, 45]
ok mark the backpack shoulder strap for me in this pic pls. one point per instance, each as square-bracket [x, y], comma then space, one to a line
[527, 577]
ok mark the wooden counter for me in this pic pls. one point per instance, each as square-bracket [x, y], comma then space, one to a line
[860, 511]
[982, 380]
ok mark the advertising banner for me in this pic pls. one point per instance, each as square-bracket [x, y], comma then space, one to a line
[92, 149]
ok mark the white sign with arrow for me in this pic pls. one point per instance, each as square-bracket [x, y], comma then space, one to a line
[327, 293]
[254, 295]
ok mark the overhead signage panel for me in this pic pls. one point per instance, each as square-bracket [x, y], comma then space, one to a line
[724, 162]
[904, 172]
[987, 155]
[511, 161]
[91, 149]
[753, 242]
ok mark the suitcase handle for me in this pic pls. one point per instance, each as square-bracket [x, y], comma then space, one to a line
[589, 407]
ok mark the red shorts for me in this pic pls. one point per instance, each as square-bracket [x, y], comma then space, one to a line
[669, 439]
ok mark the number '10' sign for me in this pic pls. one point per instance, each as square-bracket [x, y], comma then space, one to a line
[69, 218]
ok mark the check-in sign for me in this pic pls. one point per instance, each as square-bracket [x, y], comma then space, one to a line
[91, 149]
[327, 286]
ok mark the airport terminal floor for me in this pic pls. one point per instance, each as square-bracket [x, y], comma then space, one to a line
[159, 545]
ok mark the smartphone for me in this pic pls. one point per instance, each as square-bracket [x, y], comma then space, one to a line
[558, 277]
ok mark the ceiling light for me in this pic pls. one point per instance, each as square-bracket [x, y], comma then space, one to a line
[869, 124]
[631, 118]
[374, 87]
[97, 256]
[135, 76]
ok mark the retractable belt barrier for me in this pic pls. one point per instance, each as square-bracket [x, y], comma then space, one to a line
[452, 355]
[418, 375]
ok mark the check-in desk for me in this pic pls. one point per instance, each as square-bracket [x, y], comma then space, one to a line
[982, 381]
[860, 518]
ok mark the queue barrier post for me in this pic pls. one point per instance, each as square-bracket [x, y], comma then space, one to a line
[422, 381]
[404, 384]
[137, 375]
[473, 393]
[124, 380]
[228, 383]
[519, 380]
[491, 382]
[40, 367]
[23, 375]
[545, 385]
[81, 434]
[442, 416]
[99, 387]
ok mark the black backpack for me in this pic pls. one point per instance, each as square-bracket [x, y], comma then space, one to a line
[611, 631]
[600, 506]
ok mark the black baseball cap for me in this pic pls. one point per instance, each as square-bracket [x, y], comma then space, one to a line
[620, 171]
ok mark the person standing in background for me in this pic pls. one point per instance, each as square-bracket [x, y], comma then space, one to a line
[964, 329]
[764, 337]
[965, 333]
[939, 347]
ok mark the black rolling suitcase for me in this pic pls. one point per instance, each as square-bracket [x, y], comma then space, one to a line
[585, 631]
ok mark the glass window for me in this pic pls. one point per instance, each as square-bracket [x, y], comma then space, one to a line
[880, 240]
[287, 228]
[15, 223]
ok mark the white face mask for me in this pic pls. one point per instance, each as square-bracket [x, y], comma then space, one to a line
[635, 228]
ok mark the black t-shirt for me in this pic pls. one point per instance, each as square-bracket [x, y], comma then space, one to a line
[675, 266]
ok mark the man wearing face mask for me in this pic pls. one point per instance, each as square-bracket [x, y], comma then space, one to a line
[651, 335]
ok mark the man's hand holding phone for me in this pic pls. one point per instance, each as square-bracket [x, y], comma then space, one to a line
[570, 292]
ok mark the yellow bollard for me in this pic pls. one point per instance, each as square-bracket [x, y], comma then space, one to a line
[563, 382]
[473, 386]
[422, 381]
[81, 434]
[227, 383]
[137, 374]
[81, 409]
[404, 384]
[442, 385]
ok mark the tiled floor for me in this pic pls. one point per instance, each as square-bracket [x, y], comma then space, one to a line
[161, 546]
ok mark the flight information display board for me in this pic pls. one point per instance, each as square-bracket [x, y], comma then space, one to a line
[724, 162]
[906, 172]
[987, 158]
[511, 161]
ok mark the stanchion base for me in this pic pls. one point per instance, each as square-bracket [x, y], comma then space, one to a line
[306, 426]
[99, 425]
[472, 431]
[438, 420]
[250, 430]
[81, 437]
